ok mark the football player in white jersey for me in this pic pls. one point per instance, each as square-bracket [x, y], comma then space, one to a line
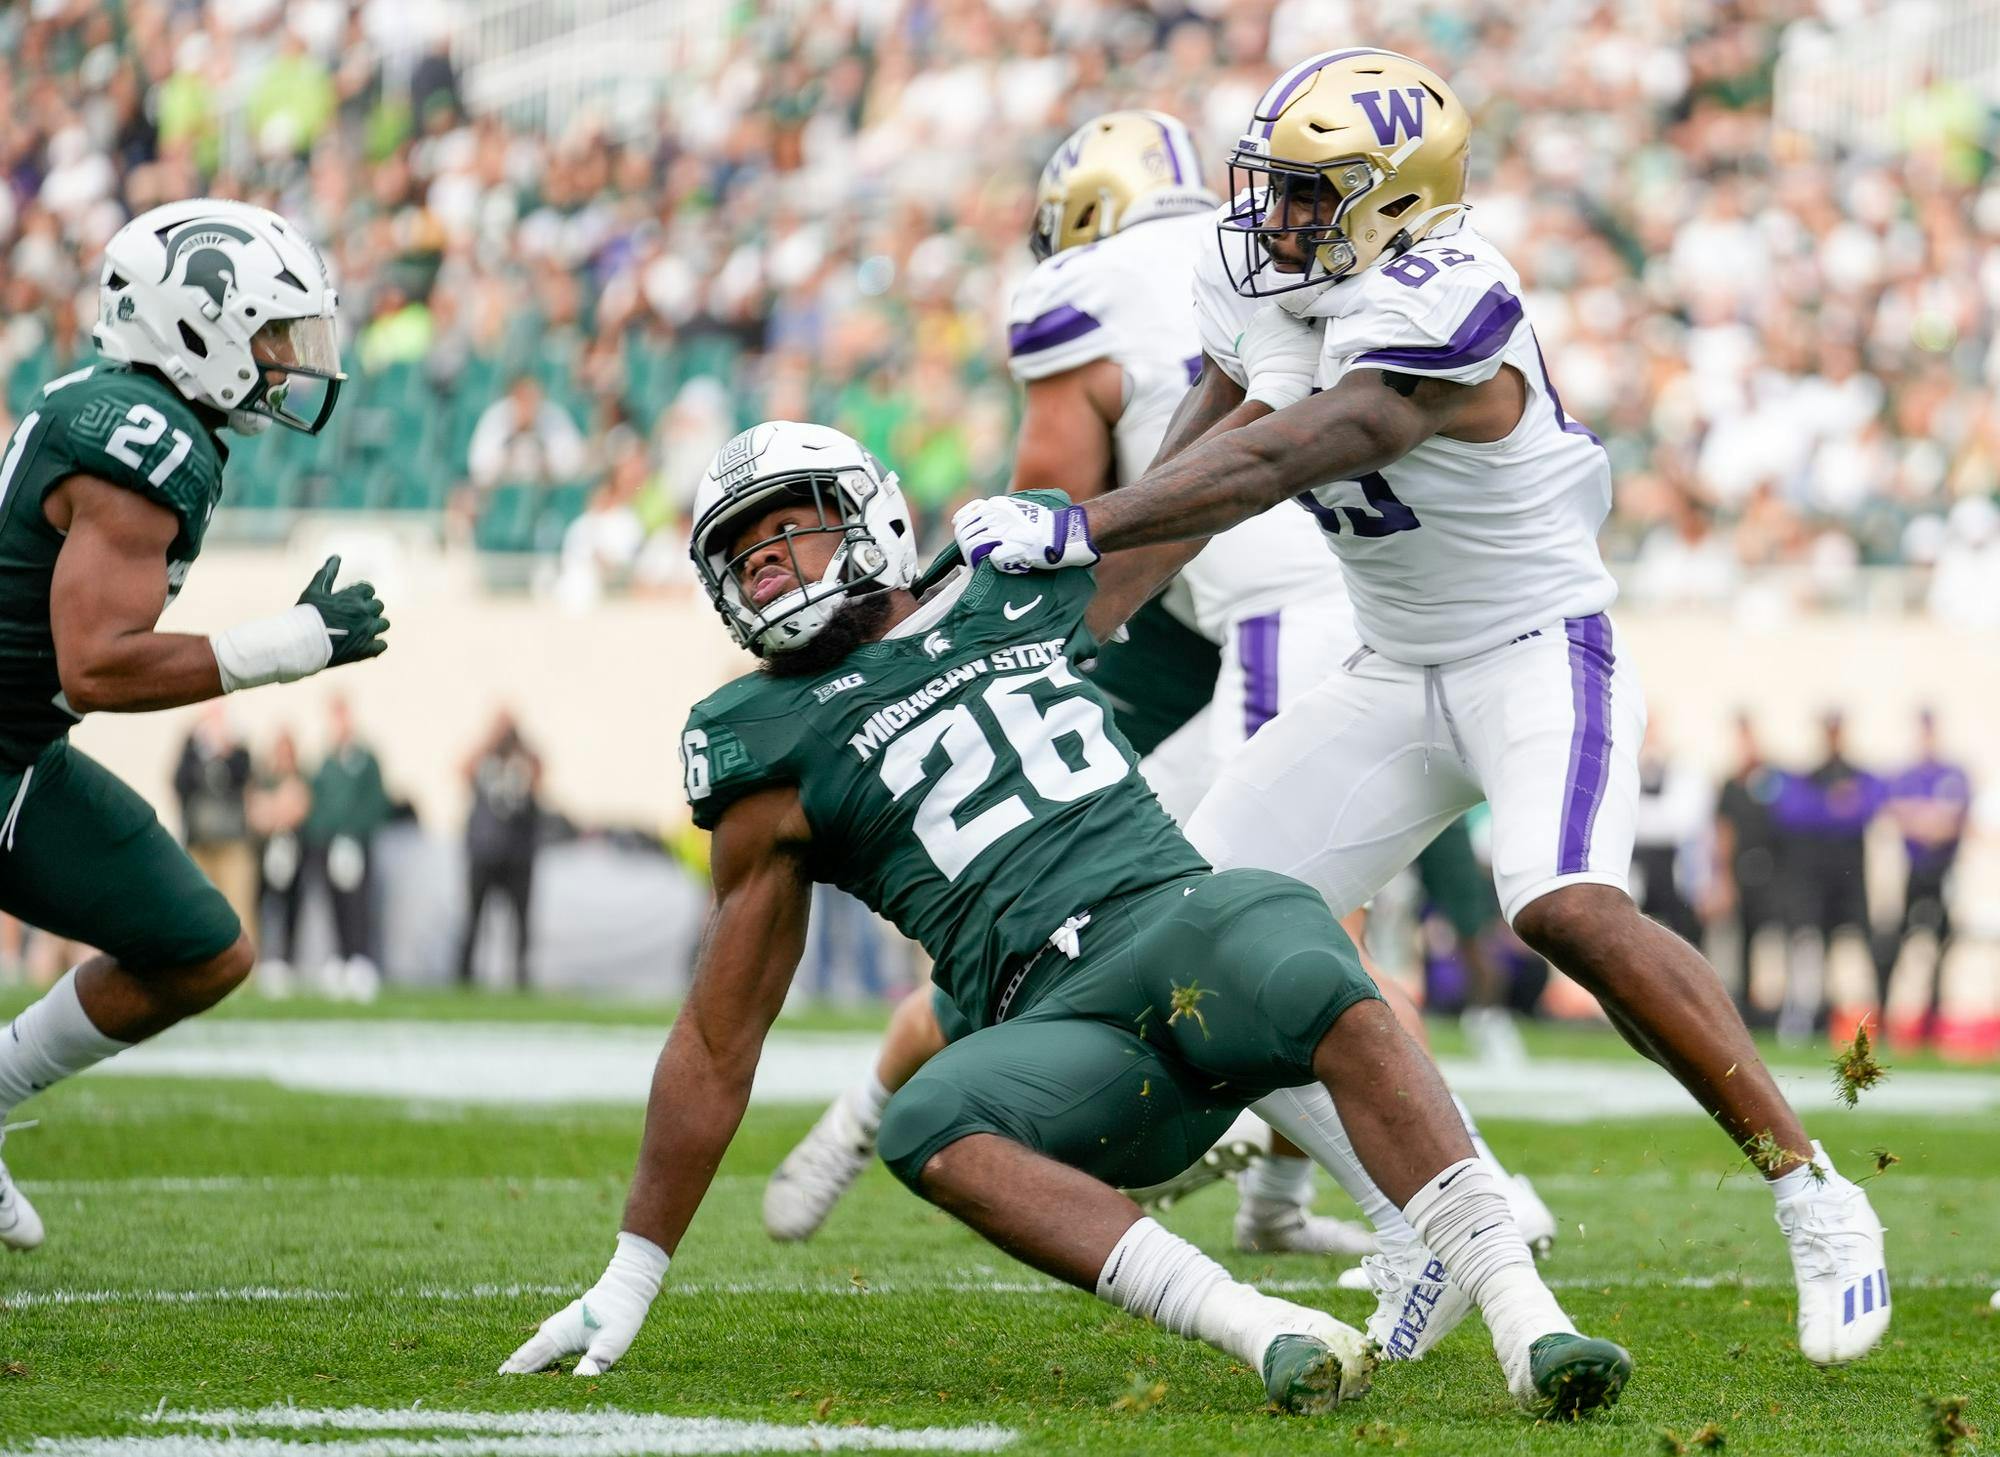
[1398, 394]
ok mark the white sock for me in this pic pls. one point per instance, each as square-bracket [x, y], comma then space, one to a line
[1787, 1187]
[865, 1102]
[1478, 1139]
[1462, 1216]
[1280, 1179]
[1307, 1117]
[47, 1042]
[1160, 1277]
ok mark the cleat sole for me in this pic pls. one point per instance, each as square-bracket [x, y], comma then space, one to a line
[1578, 1377]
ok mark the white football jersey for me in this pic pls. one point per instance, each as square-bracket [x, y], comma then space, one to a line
[1129, 298]
[1457, 547]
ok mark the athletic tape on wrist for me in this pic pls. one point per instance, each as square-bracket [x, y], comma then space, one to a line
[282, 649]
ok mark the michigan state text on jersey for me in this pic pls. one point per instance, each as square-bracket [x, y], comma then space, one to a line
[211, 315]
[943, 760]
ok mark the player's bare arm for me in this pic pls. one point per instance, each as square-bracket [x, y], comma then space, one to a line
[1368, 421]
[1214, 404]
[749, 952]
[750, 949]
[1065, 440]
[109, 588]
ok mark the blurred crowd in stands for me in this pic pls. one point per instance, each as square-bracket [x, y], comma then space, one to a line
[1791, 354]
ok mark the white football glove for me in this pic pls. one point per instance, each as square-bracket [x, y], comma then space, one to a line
[1280, 356]
[1021, 536]
[604, 1323]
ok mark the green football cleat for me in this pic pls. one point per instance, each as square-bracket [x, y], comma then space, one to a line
[1576, 1375]
[1304, 1374]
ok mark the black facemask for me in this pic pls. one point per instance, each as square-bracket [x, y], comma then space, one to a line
[860, 620]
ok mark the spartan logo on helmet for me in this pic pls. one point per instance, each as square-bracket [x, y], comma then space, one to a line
[208, 267]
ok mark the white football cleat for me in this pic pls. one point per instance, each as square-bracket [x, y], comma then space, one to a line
[814, 1175]
[20, 1226]
[1416, 1303]
[1536, 1219]
[1842, 1274]
[1230, 1157]
[1280, 1227]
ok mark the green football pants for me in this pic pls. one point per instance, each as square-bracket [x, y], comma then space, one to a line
[1187, 1003]
[83, 857]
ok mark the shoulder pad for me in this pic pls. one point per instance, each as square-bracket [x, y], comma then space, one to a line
[1437, 312]
[1056, 317]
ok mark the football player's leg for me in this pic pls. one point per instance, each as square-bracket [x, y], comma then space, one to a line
[1023, 1129]
[823, 1167]
[1554, 725]
[1290, 1003]
[86, 859]
[1341, 790]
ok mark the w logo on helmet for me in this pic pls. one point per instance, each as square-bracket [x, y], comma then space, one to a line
[1401, 115]
[208, 265]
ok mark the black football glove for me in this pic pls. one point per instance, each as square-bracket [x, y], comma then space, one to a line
[352, 614]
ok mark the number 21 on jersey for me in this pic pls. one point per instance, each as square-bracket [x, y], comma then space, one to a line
[1033, 735]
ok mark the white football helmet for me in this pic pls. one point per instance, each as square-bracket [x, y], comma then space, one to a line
[857, 499]
[232, 304]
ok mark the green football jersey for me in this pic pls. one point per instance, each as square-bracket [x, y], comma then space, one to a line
[120, 425]
[960, 776]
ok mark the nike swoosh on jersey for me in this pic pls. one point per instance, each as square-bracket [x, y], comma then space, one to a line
[1015, 614]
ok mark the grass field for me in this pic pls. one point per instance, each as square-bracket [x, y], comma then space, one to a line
[228, 1263]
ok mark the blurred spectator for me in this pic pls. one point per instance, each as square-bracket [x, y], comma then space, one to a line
[601, 548]
[349, 805]
[211, 779]
[1822, 817]
[1930, 803]
[1788, 347]
[1674, 814]
[1459, 892]
[846, 958]
[1748, 885]
[280, 801]
[524, 438]
[502, 834]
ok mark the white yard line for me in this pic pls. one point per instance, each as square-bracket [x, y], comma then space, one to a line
[495, 1063]
[1624, 1278]
[1736, 1181]
[358, 1431]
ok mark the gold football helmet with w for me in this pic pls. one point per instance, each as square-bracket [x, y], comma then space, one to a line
[1116, 170]
[1352, 156]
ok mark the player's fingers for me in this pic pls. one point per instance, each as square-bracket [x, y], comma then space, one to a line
[587, 1366]
[982, 551]
[537, 1353]
[323, 579]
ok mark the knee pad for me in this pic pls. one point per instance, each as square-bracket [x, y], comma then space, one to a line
[926, 1115]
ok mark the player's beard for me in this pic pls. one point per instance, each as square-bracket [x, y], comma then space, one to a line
[859, 620]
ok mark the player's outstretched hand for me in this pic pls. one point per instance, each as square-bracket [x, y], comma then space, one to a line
[603, 1323]
[1022, 536]
[1280, 355]
[352, 614]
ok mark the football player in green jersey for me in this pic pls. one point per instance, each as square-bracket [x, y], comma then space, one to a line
[211, 315]
[1116, 1003]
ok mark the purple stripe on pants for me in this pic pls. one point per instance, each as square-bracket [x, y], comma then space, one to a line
[1257, 649]
[1590, 665]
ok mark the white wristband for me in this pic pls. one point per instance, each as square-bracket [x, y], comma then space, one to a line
[637, 1268]
[1279, 390]
[282, 649]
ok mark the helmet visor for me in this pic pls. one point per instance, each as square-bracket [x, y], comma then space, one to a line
[299, 361]
[1283, 228]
